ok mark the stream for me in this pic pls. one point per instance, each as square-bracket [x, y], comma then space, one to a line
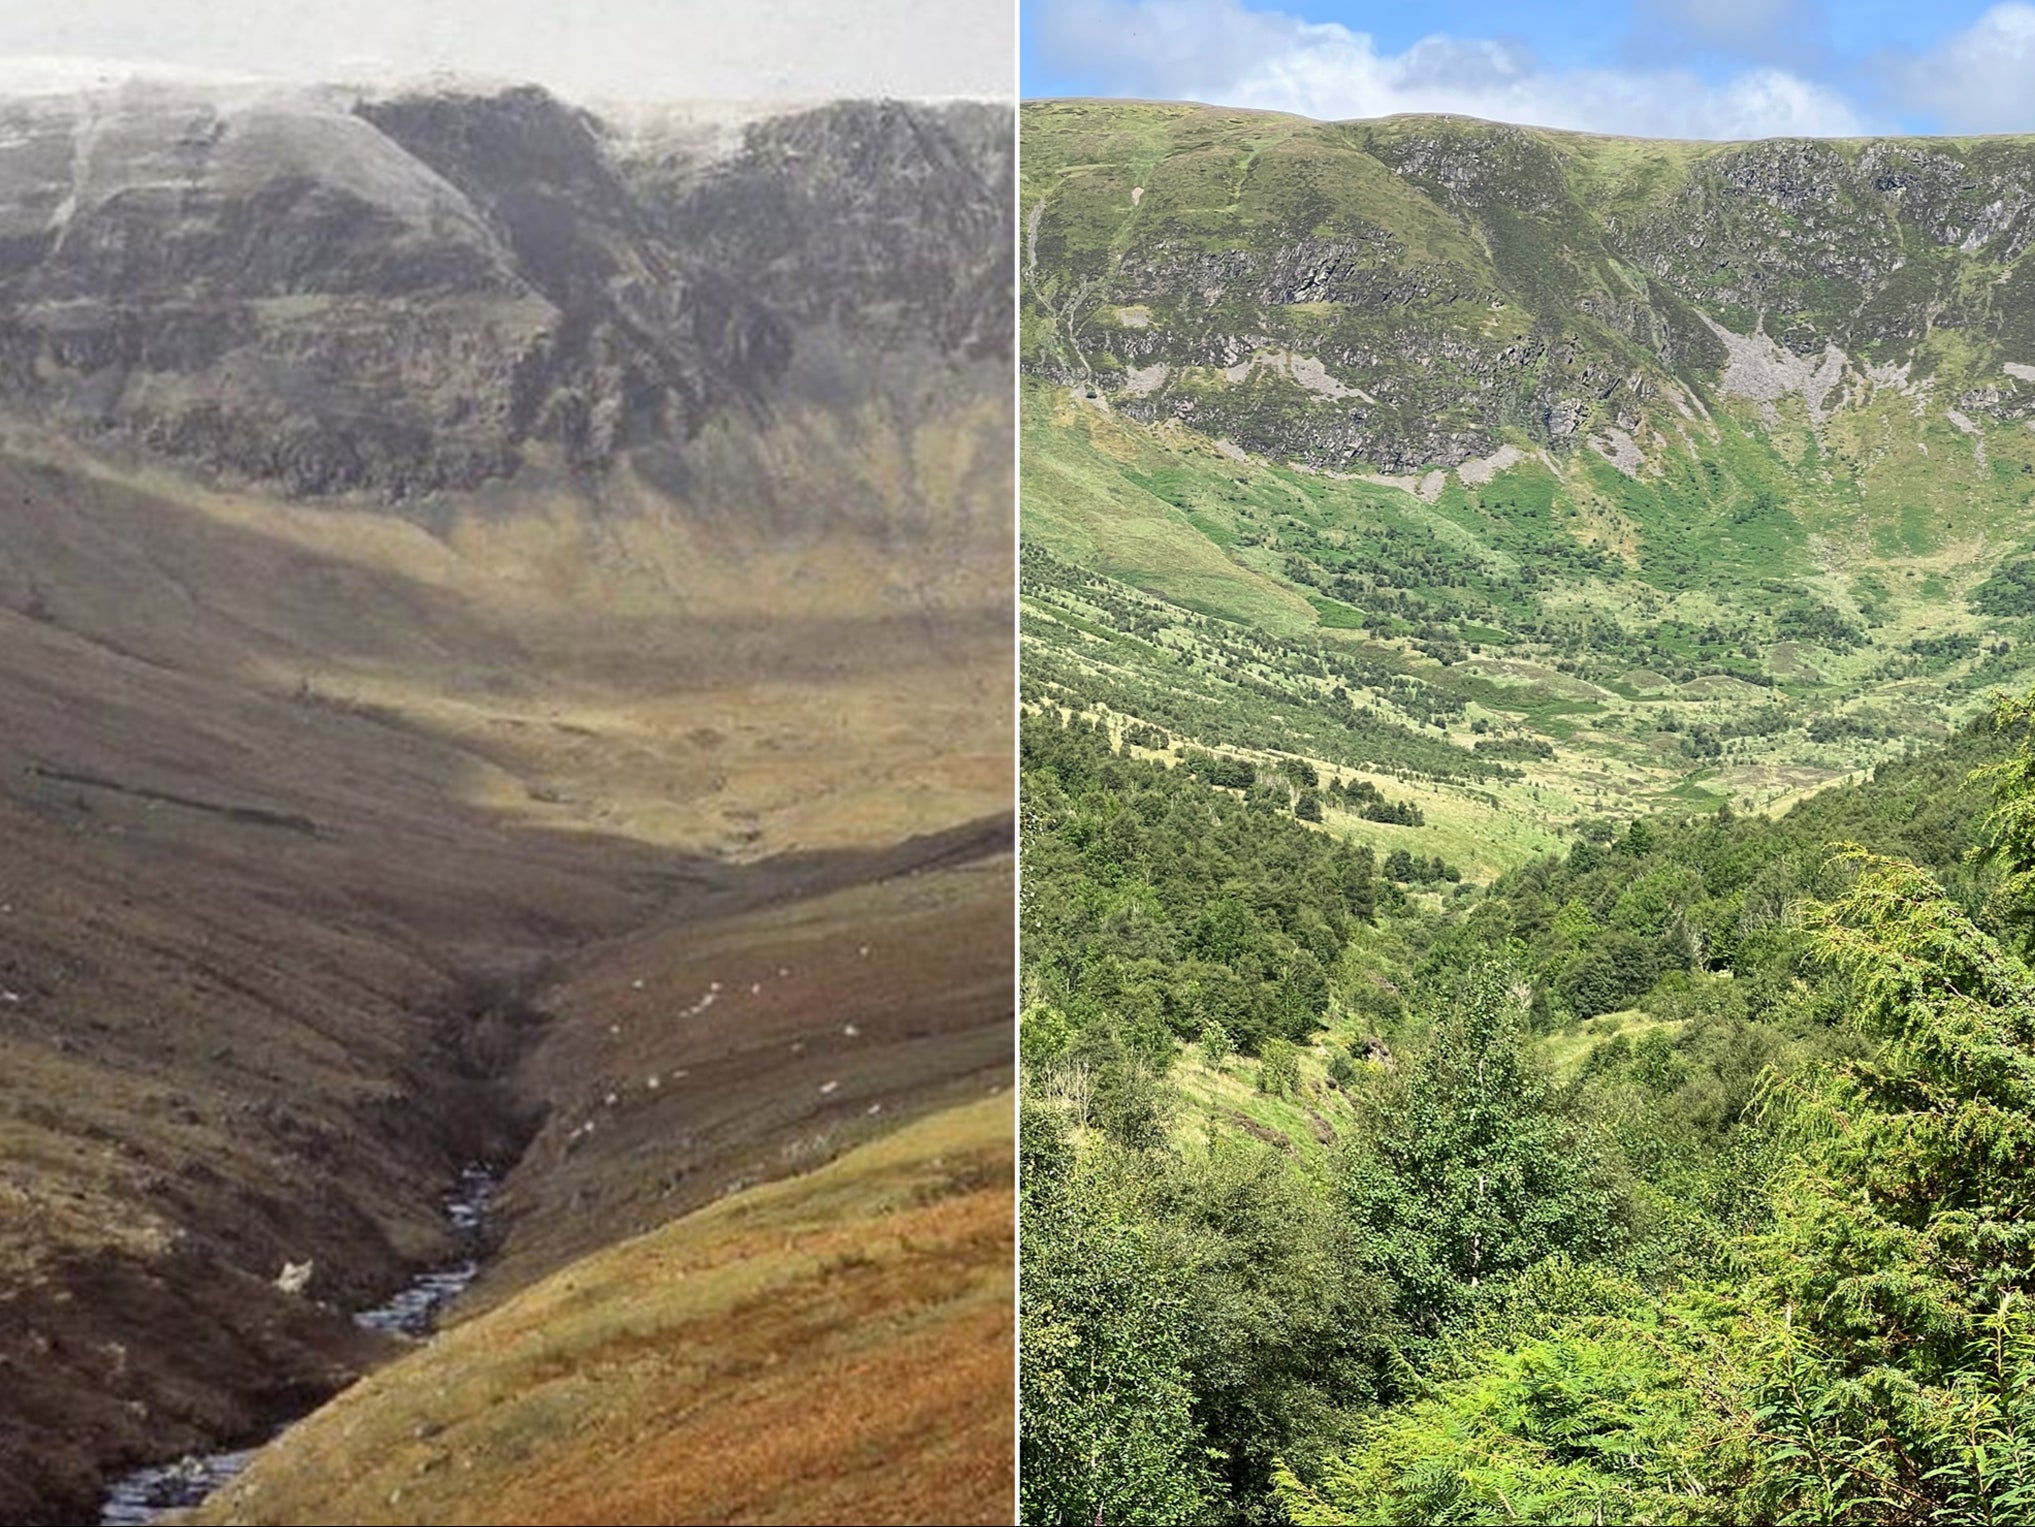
[148, 1494]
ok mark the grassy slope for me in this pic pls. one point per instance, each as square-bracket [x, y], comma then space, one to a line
[1218, 1100]
[299, 809]
[1760, 571]
[831, 1348]
[838, 1016]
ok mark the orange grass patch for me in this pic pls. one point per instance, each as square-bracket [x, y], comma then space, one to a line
[837, 1348]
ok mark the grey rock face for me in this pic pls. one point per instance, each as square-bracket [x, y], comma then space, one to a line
[418, 292]
[890, 220]
[1456, 280]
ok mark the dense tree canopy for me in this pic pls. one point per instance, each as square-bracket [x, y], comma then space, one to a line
[1754, 1247]
[1156, 904]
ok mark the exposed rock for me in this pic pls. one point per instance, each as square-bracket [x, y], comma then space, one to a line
[414, 292]
[1619, 448]
[1480, 470]
[1401, 295]
[1765, 372]
[1305, 370]
[1964, 426]
[1143, 381]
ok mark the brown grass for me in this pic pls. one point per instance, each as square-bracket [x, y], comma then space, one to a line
[282, 786]
[768, 1082]
[833, 1348]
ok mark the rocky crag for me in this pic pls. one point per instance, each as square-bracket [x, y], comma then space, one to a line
[399, 294]
[1406, 293]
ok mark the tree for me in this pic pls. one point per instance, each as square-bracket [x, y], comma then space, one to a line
[1278, 1068]
[1471, 1174]
[1106, 1424]
[1910, 1203]
[1225, 932]
[1043, 1034]
[1299, 997]
[2011, 845]
[1587, 1409]
[1902, 1386]
[1300, 771]
[1612, 973]
[1572, 925]
[1287, 1325]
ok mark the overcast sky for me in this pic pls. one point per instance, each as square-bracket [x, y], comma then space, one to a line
[586, 49]
[1686, 68]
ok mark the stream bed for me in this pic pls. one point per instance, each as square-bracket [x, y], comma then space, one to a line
[148, 1494]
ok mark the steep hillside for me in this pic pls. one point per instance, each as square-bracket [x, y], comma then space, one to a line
[435, 289]
[449, 589]
[775, 1358]
[1636, 472]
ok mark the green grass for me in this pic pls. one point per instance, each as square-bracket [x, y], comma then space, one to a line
[1650, 666]
[1335, 615]
[1565, 1051]
[1675, 635]
[1221, 1101]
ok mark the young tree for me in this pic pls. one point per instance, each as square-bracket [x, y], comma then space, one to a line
[1278, 1068]
[1470, 1173]
[1901, 1386]
[1106, 1428]
[1287, 1325]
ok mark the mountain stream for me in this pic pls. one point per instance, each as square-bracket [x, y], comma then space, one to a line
[146, 1495]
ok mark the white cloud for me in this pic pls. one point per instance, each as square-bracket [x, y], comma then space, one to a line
[1979, 80]
[26, 75]
[1217, 51]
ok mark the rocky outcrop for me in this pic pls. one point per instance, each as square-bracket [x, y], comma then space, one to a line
[1458, 281]
[890, 220]
[424, 291]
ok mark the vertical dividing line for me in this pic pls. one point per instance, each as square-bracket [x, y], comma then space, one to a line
[1017, 814]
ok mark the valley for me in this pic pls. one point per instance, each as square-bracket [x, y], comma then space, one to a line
[1525, 987]
[885, 1272]
[1652, 561]
[430, 664]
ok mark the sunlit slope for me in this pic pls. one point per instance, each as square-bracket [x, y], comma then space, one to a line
[833, 1348]
[1644, 474]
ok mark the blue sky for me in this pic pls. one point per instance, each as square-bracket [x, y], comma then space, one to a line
[1678, 68]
